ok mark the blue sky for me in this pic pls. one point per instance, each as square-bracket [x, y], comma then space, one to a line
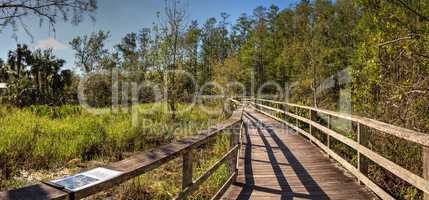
[121, 17]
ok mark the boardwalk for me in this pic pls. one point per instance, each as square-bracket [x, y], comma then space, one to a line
[278, 164]
[275, 162]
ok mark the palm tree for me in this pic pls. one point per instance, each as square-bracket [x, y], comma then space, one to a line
[45, 70]
[19, 59]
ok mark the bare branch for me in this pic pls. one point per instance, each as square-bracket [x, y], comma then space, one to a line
[12, 12]
[395, 40]
[421, 16]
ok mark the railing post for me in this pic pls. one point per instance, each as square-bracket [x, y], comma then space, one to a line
[425, 157]
[362, 140]
[285, 110]
[328, 137]
[255, 102]
[187, 169]
[296, 119]
[233, 141]
[313, 119]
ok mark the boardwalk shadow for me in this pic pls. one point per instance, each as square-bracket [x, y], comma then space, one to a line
[281, 179]
[32, 192]
[286, 192]
[247, 188]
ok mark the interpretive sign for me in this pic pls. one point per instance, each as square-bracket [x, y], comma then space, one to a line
[86, 179]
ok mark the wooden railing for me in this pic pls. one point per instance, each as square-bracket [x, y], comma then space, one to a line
[361, 171]
[147, 161]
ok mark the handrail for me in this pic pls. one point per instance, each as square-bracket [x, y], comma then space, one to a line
[403, 133]
[360, 172]
[147, 161]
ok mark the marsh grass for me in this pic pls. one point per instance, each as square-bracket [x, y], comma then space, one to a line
[47, 138]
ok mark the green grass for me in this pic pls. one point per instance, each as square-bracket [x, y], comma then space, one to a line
[47, 138]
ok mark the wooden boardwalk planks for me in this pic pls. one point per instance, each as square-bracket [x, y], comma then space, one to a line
[278, 164]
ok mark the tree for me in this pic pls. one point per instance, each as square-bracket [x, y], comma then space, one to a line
[36, 77]
[134, 49]
[191, 44]
[46, 75]
[175, 20]
[209, 50]
[128, 50]
[229, 72]
[254, 50]
[3, 72]
[145, 43]
[155, 55]
[90, 50]
[13, 13]
[240, 32]
[18, 60]
[259, 40]
[191, 49]
[111, 61]
[224, 46]
[19, 82]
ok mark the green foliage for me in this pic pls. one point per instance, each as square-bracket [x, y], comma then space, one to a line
[90, 50]
[35, 77]
[55, 112]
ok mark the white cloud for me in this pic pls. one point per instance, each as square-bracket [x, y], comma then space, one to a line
[50, 43]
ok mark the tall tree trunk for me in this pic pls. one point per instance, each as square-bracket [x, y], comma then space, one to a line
[173, 78]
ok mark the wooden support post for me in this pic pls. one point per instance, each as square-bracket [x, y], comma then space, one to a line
[285, 110]
[187, 170]
[256, 102]
[296, 120]
[310, 116]
[313, 118]
[233, 141]
[425, 157]
[362, 138]
[328, 137]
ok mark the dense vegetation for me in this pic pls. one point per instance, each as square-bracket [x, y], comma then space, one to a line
[381, 46]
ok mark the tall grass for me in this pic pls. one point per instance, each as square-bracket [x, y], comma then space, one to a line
[42, 137]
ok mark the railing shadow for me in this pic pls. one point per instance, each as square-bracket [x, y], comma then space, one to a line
[281, 179]
[32, 192]
[314, 190]
[247, 188]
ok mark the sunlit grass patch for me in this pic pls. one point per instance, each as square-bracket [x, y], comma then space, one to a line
[43, 138]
